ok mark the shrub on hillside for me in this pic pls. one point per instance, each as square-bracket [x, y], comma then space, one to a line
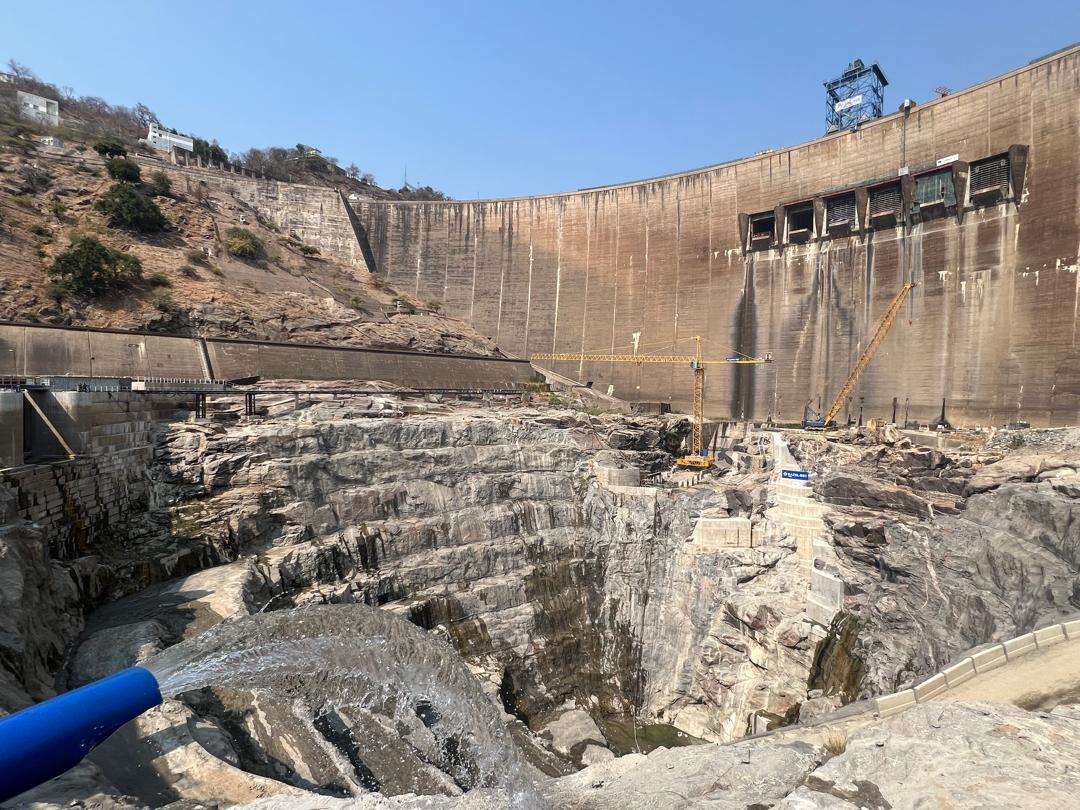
[110, 147]
[124, 170]
[89, 267]
[160, 184]
[161, 300]
[127, 208]
[243, 244]
[196, 257]
[158, 280]
[308, 250]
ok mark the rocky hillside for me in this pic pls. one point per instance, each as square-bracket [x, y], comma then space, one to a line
[190, 282]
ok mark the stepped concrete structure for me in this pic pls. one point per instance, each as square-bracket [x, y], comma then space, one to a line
[798, 251]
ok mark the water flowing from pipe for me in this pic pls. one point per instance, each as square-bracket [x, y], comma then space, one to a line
[333, 657]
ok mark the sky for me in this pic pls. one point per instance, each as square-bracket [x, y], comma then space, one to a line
[484, 99]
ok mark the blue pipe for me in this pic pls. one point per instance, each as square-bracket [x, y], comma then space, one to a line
[45, 740]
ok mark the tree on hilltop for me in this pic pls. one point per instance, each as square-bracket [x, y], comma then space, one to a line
[21, 71]
[144, 115]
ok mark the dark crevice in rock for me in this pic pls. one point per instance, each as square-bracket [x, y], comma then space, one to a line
[510, 696]
[341, 737]
[836, 669]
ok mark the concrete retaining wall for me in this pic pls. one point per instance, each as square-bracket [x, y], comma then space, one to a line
[235, 359]
[315, 215]
[38, 350]
[826, 596]
[102, 422]
[800, 515]
[35, 350]
[976, 664]
[11, 428]
[618, 476]
[716, 533]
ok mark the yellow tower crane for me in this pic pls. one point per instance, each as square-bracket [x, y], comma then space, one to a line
[698, 456]
[829, 422]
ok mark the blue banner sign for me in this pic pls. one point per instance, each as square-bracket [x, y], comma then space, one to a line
[797, 475]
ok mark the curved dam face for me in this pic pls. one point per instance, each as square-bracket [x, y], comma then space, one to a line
[798, 252]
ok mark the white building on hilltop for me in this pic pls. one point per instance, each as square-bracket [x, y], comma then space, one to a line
[166, 140]
[38, 108]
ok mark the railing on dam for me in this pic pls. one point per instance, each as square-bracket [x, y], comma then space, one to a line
[28, 350]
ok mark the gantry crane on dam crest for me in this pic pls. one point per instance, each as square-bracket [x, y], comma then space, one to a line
[699, 455]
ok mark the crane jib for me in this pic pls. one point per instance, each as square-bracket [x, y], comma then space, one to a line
[699, 456]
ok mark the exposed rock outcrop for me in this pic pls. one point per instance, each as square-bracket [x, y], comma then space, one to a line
[928, 573]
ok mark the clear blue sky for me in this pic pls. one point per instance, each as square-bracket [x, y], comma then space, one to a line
[512, 98]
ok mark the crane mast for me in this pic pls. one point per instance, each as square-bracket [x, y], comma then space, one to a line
[697, 458]
[864, 360]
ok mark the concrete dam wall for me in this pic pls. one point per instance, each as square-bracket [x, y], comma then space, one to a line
[975, 196]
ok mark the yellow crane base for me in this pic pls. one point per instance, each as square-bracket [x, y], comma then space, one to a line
[700, 462]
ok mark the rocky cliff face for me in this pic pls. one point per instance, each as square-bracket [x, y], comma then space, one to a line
[494, 529]
[941, 552]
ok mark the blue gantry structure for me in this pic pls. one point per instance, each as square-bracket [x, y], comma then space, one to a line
[855, 96]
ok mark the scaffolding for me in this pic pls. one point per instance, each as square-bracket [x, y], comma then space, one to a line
[855, 96]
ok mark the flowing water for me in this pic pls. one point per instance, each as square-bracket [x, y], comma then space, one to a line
[331, 658]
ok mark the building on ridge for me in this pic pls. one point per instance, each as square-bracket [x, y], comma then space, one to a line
[38, 108]
[166, 140]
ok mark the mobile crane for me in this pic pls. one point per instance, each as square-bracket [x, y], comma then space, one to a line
[829, 422]
[699, 455]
